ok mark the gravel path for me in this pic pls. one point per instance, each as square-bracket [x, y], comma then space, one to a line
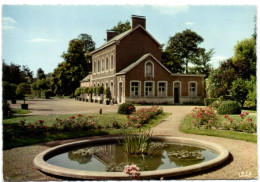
[18, 162]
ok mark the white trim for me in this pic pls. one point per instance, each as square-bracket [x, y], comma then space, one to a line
[166, 88]
[139, 88]
[99, 78]
[152, 88]
[145, 68]
[196, 87]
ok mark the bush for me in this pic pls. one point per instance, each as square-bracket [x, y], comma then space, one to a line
[77, 92]
[6, 109]
[250, 105]
[209, 101]
[126, 108]
[48, 94]
[100, 90]
[203, 117]
[229, 107]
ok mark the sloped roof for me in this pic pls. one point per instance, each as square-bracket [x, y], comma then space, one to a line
[121, 36]
[86, 79]
[131, 66]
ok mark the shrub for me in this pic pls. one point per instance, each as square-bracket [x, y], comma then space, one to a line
[90, 90]
[100, 90]
[108, 93]
[126, 108]
[77, 92]
[229, 107]
[203, 117]
[209, 101]
[6, 109]
[250, 105]
[48, 94]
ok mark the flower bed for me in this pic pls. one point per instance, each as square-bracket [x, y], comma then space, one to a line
[203, 117]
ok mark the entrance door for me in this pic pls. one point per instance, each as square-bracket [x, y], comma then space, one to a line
[176, 92]
[120, 91]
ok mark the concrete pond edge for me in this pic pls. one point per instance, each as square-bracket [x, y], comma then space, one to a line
[41, 164]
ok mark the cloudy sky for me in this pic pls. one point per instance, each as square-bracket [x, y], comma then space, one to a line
[37, 35]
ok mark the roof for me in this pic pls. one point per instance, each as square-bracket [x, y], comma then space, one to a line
[131, 66]
[121, 36]
[86, 79]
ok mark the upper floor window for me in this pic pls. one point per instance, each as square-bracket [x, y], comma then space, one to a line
[94, 67]
[106, 63]
[103, 65]
[192, 88]
[98, 66]
[149, 69]
[112, 62]
[135, 87]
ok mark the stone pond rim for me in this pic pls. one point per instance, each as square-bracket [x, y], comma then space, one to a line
[41, 164]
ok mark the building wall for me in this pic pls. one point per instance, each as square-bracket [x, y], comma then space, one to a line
[134, 46]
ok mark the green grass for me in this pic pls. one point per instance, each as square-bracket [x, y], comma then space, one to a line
[187, 127]
[104, 119]
[20, 111]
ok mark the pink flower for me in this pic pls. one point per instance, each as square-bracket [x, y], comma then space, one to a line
[72, 117]
[41, 121]
[226, 116]
[79, 115]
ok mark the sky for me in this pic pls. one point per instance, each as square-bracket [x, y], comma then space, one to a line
[37, 35]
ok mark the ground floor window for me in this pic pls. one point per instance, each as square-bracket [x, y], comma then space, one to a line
[192, 88]
[135, 88]
[149, 90]
[162, 89]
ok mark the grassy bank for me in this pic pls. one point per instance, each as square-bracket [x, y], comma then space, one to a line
[187, 127]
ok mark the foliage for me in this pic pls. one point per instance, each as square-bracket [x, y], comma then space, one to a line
[239, 90]
[48, 93]
[6, 109]
[140, 144]
[122, 27]
[245, 124]
[108, 93]
[23, 89]
[143, 116]
[171, 63]
[89, 44]
[246, 50]
[77, 92]
[229, 107]
[90, 90]
[203, 117]
[209, 101]
[126, 108]
[184, 47]
[15, 74]
[202, 65]
[250, 105]
[40, 74]
[9, 91]
[100, 90]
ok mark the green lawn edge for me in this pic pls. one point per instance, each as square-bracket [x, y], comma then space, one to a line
[29, 140]
[187, 127]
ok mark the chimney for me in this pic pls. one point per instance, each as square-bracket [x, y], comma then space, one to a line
[138, 20]
[111, 34]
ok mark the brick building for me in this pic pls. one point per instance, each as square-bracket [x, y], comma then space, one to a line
[130, 64]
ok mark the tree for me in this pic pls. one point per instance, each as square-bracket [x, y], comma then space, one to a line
[239, 90]
[89, 44]
[9, 91]
[23, 89]
[122, 27]
[184, 47]
[40, 74]
[171, 63]
[202, 62]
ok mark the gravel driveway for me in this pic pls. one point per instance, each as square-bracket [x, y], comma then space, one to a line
[18, 162]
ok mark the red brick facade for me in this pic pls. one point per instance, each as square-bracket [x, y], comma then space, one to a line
[130, 64]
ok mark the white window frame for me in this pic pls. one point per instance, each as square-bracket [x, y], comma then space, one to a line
[153, 88]
[106, 64]
[102, 65]
[152, 68]
[139, 88]
[196, 89]
[112, 61]
[98, 66]
[166, 89]
[173, 87]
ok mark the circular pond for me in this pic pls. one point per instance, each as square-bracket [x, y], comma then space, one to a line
[105, 158]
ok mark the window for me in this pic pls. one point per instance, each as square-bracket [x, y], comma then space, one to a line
[135, 88]
[112, 62]
[98, 66]
[192, 89]
[149, 89]
[103, 65]
[106, 63]
[149, 69]
[112, 88]
[162, 89]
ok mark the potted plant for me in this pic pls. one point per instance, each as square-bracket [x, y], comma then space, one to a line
[108, 95]
[100, 92]
[90, 92]
[23, 89]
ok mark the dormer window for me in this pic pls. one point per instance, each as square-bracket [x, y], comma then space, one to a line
[149, 69]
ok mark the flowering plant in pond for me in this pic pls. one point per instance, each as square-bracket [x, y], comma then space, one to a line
[132, 170]
[143, 116]
[203, 117]
[245, 123]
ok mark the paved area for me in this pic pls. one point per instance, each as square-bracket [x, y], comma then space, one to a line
[18, 162]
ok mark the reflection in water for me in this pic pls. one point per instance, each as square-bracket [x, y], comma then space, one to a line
[113, 158]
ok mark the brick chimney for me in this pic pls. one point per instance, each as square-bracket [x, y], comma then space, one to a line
[138, 20]
[111, 34]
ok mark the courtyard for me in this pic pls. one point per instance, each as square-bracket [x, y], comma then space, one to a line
[18, 162]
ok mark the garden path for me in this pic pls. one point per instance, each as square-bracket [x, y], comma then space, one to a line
[18, 162]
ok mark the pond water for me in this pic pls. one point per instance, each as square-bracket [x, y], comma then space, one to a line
[112, 157]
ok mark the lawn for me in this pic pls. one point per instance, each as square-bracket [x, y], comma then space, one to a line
[187, 127]
[109, 124]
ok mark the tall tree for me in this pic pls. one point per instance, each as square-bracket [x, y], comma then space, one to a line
[122, 27]
[89, 44]
[40, 74]
[185, 47]
[172, 63]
